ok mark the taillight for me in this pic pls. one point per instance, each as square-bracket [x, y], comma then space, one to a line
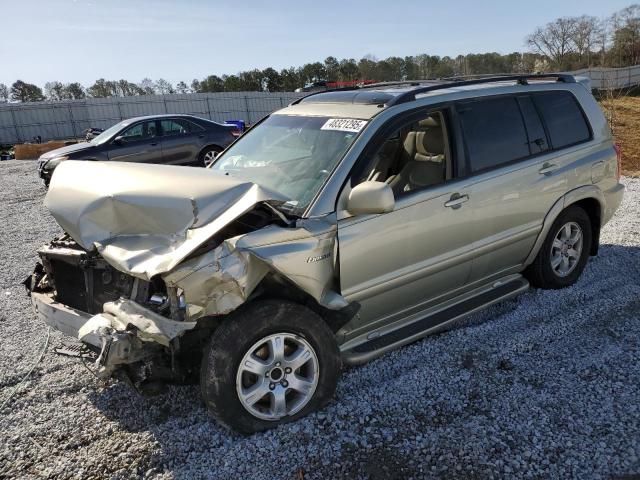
[616, 147]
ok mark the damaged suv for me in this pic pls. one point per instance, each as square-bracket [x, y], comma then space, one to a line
[343, 226]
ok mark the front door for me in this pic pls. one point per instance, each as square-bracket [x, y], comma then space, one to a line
[140, 142]
[400, 263]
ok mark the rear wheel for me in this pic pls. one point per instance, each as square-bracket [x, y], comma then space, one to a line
[269, 363]
[208, 155]
[564, 253]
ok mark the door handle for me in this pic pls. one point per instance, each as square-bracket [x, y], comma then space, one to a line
[547, 168]
[456, 201]
[153, 144]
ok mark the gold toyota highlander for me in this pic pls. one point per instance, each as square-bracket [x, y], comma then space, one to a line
[345, 225]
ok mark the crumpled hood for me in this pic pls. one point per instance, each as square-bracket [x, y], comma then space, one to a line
[58, 152]
[144, 219]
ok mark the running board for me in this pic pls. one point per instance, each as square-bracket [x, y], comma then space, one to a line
[418, 329]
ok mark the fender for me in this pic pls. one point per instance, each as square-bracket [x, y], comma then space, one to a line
[569, 198]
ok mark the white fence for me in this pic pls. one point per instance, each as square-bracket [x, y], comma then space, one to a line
[21, 122]
[611, 78]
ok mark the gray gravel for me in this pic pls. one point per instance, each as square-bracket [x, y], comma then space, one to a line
[546, 385]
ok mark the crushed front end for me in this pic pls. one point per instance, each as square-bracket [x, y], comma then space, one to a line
[132, 324]
[154, 257]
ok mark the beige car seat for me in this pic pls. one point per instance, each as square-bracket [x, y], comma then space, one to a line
[424, 158]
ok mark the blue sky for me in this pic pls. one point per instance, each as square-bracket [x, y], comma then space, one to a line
[82, 40]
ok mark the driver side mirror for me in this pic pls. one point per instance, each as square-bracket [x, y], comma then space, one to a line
[119, 140]
[371, 197]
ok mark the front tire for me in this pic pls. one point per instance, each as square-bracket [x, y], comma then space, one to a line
[271, 362]
[564, 253]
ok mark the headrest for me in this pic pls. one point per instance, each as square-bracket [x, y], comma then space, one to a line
[430, 143]
[430, 122]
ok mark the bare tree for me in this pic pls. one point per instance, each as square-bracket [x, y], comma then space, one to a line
[555, 40]
[625, 26]
[585, 37]
[147, 86]
[163, 87]
[4, 93]
[54, 90]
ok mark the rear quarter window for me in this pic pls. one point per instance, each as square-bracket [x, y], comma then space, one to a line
[563, 118]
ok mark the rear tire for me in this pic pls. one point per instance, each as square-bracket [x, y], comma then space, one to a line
[564, 253]
[294, 354]
[208, 155]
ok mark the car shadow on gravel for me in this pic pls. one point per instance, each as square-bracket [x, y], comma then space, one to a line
[135, 412]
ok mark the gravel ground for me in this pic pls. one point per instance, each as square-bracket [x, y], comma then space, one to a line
[544, 386]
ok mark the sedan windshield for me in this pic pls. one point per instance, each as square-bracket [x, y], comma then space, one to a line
[292, 155]
[108, 133]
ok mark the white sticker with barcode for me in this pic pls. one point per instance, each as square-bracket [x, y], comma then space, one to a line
[344, 124]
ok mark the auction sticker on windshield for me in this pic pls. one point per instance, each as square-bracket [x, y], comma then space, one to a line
[344, 124]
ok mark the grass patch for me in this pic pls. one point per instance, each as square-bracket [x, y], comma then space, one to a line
[625, 123]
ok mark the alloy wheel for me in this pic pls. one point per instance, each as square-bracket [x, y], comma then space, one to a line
[566, 249]
[277, 376]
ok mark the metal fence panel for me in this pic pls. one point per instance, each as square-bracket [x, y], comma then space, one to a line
[21, 122]
[611, 78]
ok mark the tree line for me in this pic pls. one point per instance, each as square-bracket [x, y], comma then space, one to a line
[567, 43]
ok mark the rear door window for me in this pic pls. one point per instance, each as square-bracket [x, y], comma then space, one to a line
[563, 117]
[494, 132]
[174, 127]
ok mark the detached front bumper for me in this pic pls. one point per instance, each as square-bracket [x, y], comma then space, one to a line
[65, 319]
[125, 334]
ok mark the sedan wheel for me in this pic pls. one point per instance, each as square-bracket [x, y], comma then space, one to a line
[209, 155]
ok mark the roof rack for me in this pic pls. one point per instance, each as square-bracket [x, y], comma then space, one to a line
[409, 96]
[520, 79]
[414, 83]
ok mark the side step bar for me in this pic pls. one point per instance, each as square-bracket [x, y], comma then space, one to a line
[406, 334]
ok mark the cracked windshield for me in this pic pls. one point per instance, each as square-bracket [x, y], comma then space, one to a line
[292, 155]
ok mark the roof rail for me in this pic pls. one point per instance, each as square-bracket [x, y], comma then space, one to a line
[520, 79]
[409, 96]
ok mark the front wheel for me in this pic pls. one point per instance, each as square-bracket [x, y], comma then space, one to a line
[269, 363]
[565, 251]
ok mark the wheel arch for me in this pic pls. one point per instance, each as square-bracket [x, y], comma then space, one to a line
[593, 208]
[206, 147]
[277, 287]
[591, 199]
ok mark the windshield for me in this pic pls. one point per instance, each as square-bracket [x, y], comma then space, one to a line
[292, 155]
[107, 134]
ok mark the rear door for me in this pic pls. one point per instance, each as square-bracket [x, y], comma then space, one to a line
[140, 142]
[180, 141]
[517, 175]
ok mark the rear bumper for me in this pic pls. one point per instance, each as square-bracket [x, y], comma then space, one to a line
[65, 319]
[613, 199]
